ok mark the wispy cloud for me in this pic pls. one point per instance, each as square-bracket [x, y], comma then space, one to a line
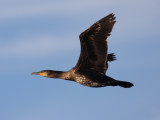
[46, 44]
[26, 9]
[19, 9]
[39, 46]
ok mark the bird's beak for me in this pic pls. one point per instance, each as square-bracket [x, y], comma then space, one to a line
[35, 73]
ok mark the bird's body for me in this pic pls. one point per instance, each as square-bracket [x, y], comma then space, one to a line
[93, 61]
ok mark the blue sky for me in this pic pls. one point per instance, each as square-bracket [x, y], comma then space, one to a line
[43, 34]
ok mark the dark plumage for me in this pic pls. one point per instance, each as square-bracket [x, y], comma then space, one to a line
[93, 61]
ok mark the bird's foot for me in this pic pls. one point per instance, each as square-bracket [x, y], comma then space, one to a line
[111, 57]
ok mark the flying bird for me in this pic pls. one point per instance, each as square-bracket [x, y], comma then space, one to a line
[93, 61]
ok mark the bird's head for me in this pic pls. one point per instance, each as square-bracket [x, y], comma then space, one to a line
[49, 73]
[44, 73]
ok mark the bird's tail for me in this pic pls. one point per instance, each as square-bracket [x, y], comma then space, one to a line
[122, 84]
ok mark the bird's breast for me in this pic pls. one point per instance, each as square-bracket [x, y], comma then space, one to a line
[83, 80]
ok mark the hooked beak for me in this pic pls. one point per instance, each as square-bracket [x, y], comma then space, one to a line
[35, 73]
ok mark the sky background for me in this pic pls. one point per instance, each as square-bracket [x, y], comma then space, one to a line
[43, 34]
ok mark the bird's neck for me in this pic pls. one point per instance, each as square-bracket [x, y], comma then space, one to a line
[60, 74]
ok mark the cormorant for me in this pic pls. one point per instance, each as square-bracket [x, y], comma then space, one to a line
[93, 61]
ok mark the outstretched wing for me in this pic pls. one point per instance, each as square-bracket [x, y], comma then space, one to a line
[94, 46]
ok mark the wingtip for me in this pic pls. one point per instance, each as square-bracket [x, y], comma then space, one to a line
[112, 17]
[111, 14]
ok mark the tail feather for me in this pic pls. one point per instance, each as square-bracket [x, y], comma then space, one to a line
[122, 84]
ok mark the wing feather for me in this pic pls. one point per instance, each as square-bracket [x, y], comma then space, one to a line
[94, 47]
